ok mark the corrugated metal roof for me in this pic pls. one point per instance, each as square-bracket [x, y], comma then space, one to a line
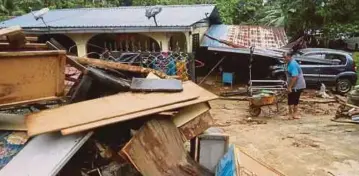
[130, 16]
[246, 36]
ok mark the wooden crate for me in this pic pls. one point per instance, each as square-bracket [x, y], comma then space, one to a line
[31, 76]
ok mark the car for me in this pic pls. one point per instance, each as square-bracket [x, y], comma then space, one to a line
[334, 68]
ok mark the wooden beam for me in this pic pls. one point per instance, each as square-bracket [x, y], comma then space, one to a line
[118, 66]
[157, 149]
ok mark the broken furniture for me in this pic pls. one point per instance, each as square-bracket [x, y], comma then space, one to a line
[29, 77]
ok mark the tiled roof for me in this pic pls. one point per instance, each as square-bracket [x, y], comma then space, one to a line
[246, 36]
[130, 16]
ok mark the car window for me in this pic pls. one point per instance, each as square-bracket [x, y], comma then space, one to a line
[337, 59]
[300, 62]
[315, 55]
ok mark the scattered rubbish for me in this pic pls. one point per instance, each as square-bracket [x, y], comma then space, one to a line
[156, 85]
[322, 92]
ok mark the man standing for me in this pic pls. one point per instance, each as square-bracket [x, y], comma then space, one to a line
[296, 84]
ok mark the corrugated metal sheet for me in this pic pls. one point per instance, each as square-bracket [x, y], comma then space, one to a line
[246, 36]
[134, 16]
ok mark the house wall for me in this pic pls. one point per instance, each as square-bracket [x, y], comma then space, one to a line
[162, 38]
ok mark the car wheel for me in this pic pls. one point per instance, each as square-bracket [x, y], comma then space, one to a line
[344, 85]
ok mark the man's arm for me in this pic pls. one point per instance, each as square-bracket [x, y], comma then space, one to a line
[292, 82]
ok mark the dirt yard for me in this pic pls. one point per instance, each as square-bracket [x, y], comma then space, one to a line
[313, 145]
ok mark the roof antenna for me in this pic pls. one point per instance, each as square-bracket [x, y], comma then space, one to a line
[152, 12]
[40, 15]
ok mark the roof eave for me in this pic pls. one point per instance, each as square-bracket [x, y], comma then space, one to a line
[124, 29]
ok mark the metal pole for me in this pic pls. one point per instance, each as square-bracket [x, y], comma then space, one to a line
[219, 62]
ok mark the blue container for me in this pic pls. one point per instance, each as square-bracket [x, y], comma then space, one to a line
[227, 78]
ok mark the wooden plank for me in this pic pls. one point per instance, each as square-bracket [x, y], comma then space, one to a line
[27, 77]
[28, 39]
[104, 108]
[188, 113]
[12, 122]
[118, 66]
[204, 96]
[157, 149]
[45, 155]
[251, 166]
[25, 47]
[196, 126]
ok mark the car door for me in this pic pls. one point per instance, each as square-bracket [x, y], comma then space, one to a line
[336, 65]
[310, 67]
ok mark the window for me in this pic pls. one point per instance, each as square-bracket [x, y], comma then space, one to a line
[316, 55]
[336, 59]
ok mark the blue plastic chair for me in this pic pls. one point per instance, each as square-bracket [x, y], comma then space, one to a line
[227, 78]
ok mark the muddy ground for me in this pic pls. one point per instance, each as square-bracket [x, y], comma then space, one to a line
[313, 145]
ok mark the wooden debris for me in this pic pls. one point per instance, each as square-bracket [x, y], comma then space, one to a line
[189, 113]
[12, 122]
[15, 36]
[31, 76]
[118, 66]
[157, 149]
[25, 47]
[196, 126]
[204, 96]
[28, 39]
[105, 108]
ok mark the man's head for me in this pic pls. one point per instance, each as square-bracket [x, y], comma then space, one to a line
[287, 56]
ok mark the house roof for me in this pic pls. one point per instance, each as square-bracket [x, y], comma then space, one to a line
[119, 18]
[245, 36]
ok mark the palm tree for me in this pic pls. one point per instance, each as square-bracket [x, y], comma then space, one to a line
[276, 16]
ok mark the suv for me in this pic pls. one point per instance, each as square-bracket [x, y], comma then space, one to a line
[320, 65]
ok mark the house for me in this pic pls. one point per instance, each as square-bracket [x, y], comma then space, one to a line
[86, 31]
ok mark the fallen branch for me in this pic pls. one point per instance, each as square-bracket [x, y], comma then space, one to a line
[118, 66]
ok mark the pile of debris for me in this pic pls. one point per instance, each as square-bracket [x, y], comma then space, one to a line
[130, 115]
[66, 115]
[349, 107]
